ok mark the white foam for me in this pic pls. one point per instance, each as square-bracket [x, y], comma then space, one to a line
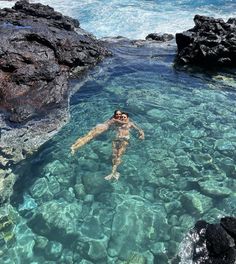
[6, 4]
[134, 18]
[186, 250]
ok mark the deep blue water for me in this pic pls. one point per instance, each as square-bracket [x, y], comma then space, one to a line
[63, 211]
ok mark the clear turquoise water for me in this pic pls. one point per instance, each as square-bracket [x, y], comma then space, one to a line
[63, 211]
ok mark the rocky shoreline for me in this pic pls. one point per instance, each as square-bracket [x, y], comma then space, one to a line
[39, 50]
[211, 42]
[34, 103]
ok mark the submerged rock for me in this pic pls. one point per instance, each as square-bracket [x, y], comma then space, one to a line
[52, 217]
[228, 205]
[224, 146]
[196, 203]
[136, 258]
[53, 250]
[210, 42]
[95, 251]
[44, 189]
[214, 188]
[40, 244]
[149, 220]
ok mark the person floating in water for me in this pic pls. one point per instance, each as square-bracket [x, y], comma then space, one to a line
[121, 142]
[99, 129]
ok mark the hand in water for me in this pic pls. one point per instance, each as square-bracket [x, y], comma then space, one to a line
[72, 150]
[141, 136]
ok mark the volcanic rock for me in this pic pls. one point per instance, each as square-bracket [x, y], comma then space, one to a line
[39, 50]
[211, 42]
[39, 47]
[159, 37]
[213, 243]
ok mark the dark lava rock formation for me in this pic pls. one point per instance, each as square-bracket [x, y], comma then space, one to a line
[214, 243]
[211, 42]
[39, 49]
[159, 37]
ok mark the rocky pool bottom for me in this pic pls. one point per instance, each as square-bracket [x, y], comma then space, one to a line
[63, 211]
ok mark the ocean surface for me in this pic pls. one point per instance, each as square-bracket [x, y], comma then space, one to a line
[136, 18]
[64, 211]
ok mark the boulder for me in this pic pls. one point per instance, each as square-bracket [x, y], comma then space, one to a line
[39, 46]
[217, 240]
[229, 224]
[53, 217]
[211, 243]
[39, 50]
[131, 215]
[159, 37]
[210, 42]
[196, 202]
[53, 250]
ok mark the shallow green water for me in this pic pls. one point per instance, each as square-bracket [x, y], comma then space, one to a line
[63, 209]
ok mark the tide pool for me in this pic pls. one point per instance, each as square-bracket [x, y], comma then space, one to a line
[63, 210]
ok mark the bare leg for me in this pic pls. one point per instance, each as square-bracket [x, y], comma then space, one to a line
[114, 154]
[85, 139]
[117, 161]
[118, 150]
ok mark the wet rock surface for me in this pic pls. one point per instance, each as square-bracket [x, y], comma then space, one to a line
[159, 37]
[214, 243]
[39, 50]
[210, 42]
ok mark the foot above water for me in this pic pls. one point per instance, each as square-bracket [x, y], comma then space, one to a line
[115, 175]
[72, 151]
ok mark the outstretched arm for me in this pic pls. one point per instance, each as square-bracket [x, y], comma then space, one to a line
[99, 129]
[117, 121]
[140, 131]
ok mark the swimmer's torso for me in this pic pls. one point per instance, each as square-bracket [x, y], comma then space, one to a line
[123, 130]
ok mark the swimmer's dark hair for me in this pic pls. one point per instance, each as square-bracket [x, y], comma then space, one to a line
[117, 110]
[125, 113]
